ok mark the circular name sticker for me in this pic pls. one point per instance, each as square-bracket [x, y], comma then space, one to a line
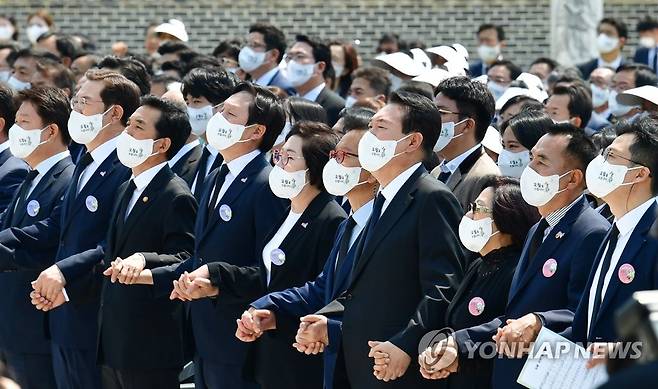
[225, 212]
[278, 257]
[626, 273]
[549, 268]
[33, 208]
[476, 306]
[92, 203]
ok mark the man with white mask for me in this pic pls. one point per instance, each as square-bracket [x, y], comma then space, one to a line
[260, 57]
[600, 83]
[629, 77]
[491, 40]
[612, 37]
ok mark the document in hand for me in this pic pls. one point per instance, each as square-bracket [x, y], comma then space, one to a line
[556, 362]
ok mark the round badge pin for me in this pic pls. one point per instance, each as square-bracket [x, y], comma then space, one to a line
[476, 306]
[225, 212]
[278, 257]
[626, 273]
[92, 203]
[549, 268]
[33, 208]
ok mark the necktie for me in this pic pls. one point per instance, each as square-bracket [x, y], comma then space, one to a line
[605, 266]
[655, 60]
[443, 177]
[80, 167]
[201, 172]
[537, 240]
[344, 244]
[125, 201]
[374, 218]
[219, 181]
[22, 193]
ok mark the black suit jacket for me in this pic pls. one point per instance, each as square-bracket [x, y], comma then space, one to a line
[12, 173]
[413, 252]
[138, 330]
[332, 103]
[642, 56]
[185, 167]
[588, 67]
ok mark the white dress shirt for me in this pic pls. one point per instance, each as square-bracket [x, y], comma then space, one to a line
[651, 58]
[266, 78]
[394, 186]
[4, 146]
[626, 224]
[313, 94]
[99, 155]
[276, 241]
[44, 167]
[614, 64]
[183, 150]
[235, 167]
[211, 159]
[141, 182]
[453, 165]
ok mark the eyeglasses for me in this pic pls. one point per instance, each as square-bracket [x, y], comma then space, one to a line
[339, 155]
[82, 102]
[477, 208]
[279, 157]
[297, 57]
[607, 153]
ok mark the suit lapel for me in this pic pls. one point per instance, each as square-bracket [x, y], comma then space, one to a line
[4, 156]
[458, 176]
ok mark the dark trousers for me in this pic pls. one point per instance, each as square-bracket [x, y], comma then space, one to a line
[75, 368]
[340, 373]
[219, 376]
[31, 371]
[139, 379]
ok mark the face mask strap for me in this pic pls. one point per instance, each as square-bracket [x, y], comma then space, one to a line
[400, 140]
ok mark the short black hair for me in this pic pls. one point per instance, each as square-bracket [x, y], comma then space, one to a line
[528, 127]
[202, 61]
[52, 106]
[417, 87]
[117, 90]
[356, 118]
[618, 24]
[511, 214]
[604, 137]
[145, 60]
[265, 109]
[300, 109]
[647, 24]
[552, 64]
[173, 122]
[580, 148]
[421, 115]
[273, 37]
[318, 140]
[172, 47]
[644, 75]
[473, 100]
[580, 102]
[321, 52]
[644, 148]
[7, 107]
[377, 79]
[177, 66]
[231, 47]
[216, 85]
[65, 44]
[513, 69]
[164, 79]
[61, 75]
[520, 99]
[500, 33]
[131, 68]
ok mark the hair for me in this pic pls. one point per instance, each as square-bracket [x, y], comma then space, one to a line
[619, 25]
[318, 140]
[62, 77]
[177, 66]
[265, 109]
[580, 102]
[473, 100]
[231, 47]
[52, 106]
[43, 14]
[519, 99]
[145, 60]
[299, 109]
[356, 118]
[511, 214]
[214, 84]
[202, 61]
[377, 79]
[390, 37]
[278, 92]
[647, 24]
[7, 107]
[172, 47]
[645, 145]
[528, 127]
[421, 115]
[644, 75]
[604, 138]
[164, 79]
[500, 33]
[30, 53]
[580, 148]
[173, 122]
[418, 87]
[85, 42]
[513, 69]
[351, 56]
[131, 68]
[117, 90]
[64, 44]
[273, 37]
[321, 52]
[552, 64]
[12, 21]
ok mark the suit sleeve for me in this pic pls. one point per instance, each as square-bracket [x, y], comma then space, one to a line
[440, 267]
[10, 184]
[236, 284]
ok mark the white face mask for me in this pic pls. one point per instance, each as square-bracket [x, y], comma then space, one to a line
[18, 85]
[374, 154]
[474, 234]
[496, 89]
[447, 134]
[286, 185]
[298, 74]
[338, 69]
[488, 54]
[4, 75]
[249, 59]
[222, 134]
[35, 31]
[512, 164]
[199, 118]
[339, 179]
[84, 129]
[284, 132]
[6, 33]
[599, 95]
[133, 152]
[617, 109]
[606, 44]
[396, 82]
[23, 142]
[647, 42]
[538, 190]
[349, 102]
[603, 177]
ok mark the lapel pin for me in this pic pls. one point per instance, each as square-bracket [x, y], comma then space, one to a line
[559, 235]
[243, 179]
[145, 199]
[304, 225]
[102, 174]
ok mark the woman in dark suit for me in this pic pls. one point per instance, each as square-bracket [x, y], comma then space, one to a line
[494, 227]
[294, 253]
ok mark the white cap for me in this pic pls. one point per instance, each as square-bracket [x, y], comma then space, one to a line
[492, 140]
[175, 28]
[637, 96]
[535, 85]
[483, 79]
[456, 67]
[451, 56]
[511, 93]
[405, 64]
[461, 50]
[434, 76]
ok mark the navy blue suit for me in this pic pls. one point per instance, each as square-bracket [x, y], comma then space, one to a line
[642, 56]
[255, 211]
[282, 82]
[476, 69]
[77, 230]
[23, 329]
[588, 67]
[12, 173]
[641, 252]
[572, 243]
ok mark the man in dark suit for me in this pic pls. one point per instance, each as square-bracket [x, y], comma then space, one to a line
[467, 107]
[491, 40]
[41, 138]
[557, 255]
[610, 42]
[76, 231]
[647, 29]
[309, 62]
[12, 170]
[186, 161]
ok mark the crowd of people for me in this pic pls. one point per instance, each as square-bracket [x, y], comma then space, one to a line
[289, 213]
